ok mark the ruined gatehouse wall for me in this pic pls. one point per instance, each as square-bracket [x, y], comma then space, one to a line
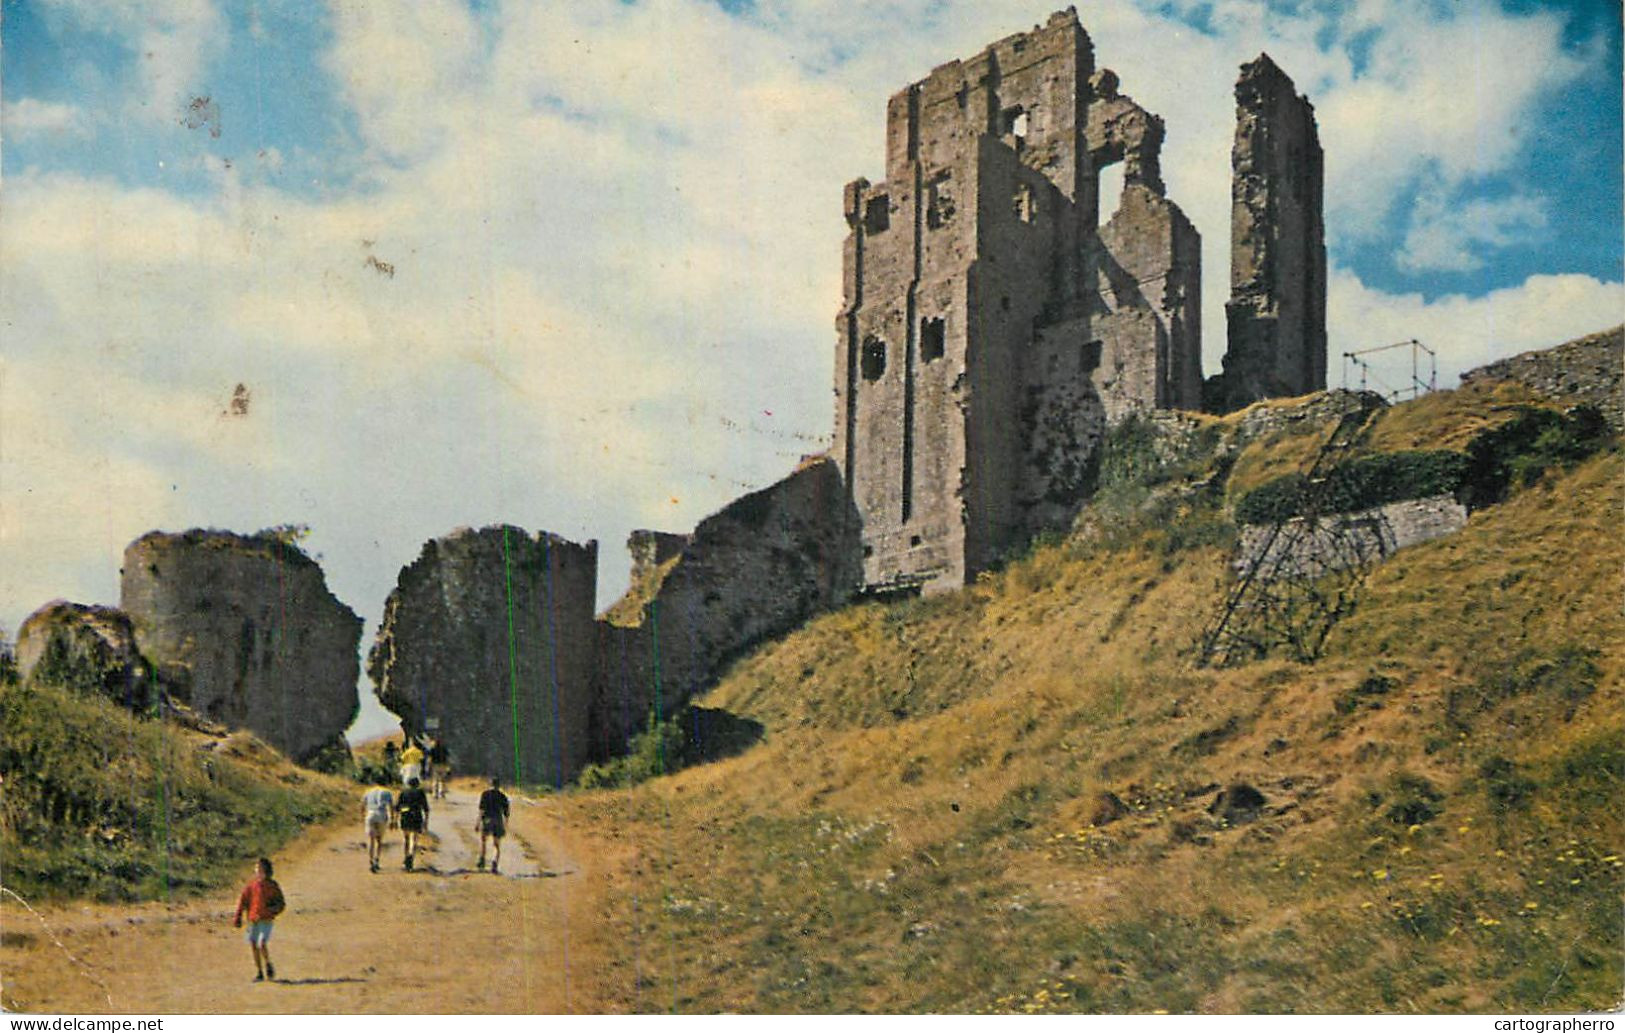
[757, 568]
[244, 630]
[489, 635]
[89, 649]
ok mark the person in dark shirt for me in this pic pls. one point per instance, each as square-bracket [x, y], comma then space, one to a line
[441, 759]
[413, 808]
[493, 822]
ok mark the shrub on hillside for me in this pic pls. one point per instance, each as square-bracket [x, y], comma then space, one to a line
[1518, 452]
[691, 736]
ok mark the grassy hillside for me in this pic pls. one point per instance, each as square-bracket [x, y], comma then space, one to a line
[1003, 799]
[102, 803]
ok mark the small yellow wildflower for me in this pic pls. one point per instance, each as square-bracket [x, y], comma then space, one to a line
[1380, 874]
[1366, 905]
[1531, 906]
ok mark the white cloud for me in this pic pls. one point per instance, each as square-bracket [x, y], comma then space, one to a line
[29, 116]
[1450, 96]
[1466, 332]
[1452, 236]
[612, 242]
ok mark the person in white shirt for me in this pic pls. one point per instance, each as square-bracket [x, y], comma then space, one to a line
[379, 804]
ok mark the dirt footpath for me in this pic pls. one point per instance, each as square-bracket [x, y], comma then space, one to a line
[444, 938]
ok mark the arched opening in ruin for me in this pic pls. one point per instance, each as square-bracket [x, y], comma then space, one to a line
[1111, 190]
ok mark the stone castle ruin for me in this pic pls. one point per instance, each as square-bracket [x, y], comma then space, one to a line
[1276, 315]
[489, 640]
[993, 324]
[998, 315]
[243, 630]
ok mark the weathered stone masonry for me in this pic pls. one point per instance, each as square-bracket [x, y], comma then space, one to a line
[244, 630]
[489, 636]
[757, 568]
[1276, 315]
[991, 326]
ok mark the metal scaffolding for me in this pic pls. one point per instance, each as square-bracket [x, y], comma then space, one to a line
[1308, 569]
[1355, 362]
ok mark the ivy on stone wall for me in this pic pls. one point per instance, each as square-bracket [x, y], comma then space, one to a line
[1361, 484]
[1511, 455]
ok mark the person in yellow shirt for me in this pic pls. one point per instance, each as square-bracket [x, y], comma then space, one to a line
[411, 763]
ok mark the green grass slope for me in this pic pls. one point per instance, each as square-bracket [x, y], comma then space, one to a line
[98, 802]
[1002, 799]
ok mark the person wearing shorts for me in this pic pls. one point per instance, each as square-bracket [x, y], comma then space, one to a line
[261, 901]
[378, 806]
[493, 822]
[413, 808]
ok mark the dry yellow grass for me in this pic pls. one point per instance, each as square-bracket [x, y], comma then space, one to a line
[914, 832]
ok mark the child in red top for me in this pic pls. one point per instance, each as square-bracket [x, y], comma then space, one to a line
[262, 902]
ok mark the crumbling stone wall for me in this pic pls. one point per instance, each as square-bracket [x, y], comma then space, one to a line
[1586, 371]
[757, 568]
[1342, 539]
[988, 326]
[1276, 316]
[1148, 268]
[244, 630]
[90, 649]
[489, 636]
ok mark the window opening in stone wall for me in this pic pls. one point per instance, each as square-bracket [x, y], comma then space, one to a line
[877, 214]
[1089, 355]
[1023, 203]
[873, 362]
[1015, 122]
[939, 203]
[933, 339]
[1111, 190]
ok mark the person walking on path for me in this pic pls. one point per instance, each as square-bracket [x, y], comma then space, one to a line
[413, 809]
[493, 822]
[411, 763]
[261, 902]
[441, 759]
[378, 803]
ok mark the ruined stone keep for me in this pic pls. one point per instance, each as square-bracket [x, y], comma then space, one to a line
[1276, 315]
[991, 324]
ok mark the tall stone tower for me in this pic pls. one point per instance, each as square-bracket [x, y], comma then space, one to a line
[991, 324]
[1276, 316]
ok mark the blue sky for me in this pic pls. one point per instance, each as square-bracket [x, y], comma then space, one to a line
[575, 266]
